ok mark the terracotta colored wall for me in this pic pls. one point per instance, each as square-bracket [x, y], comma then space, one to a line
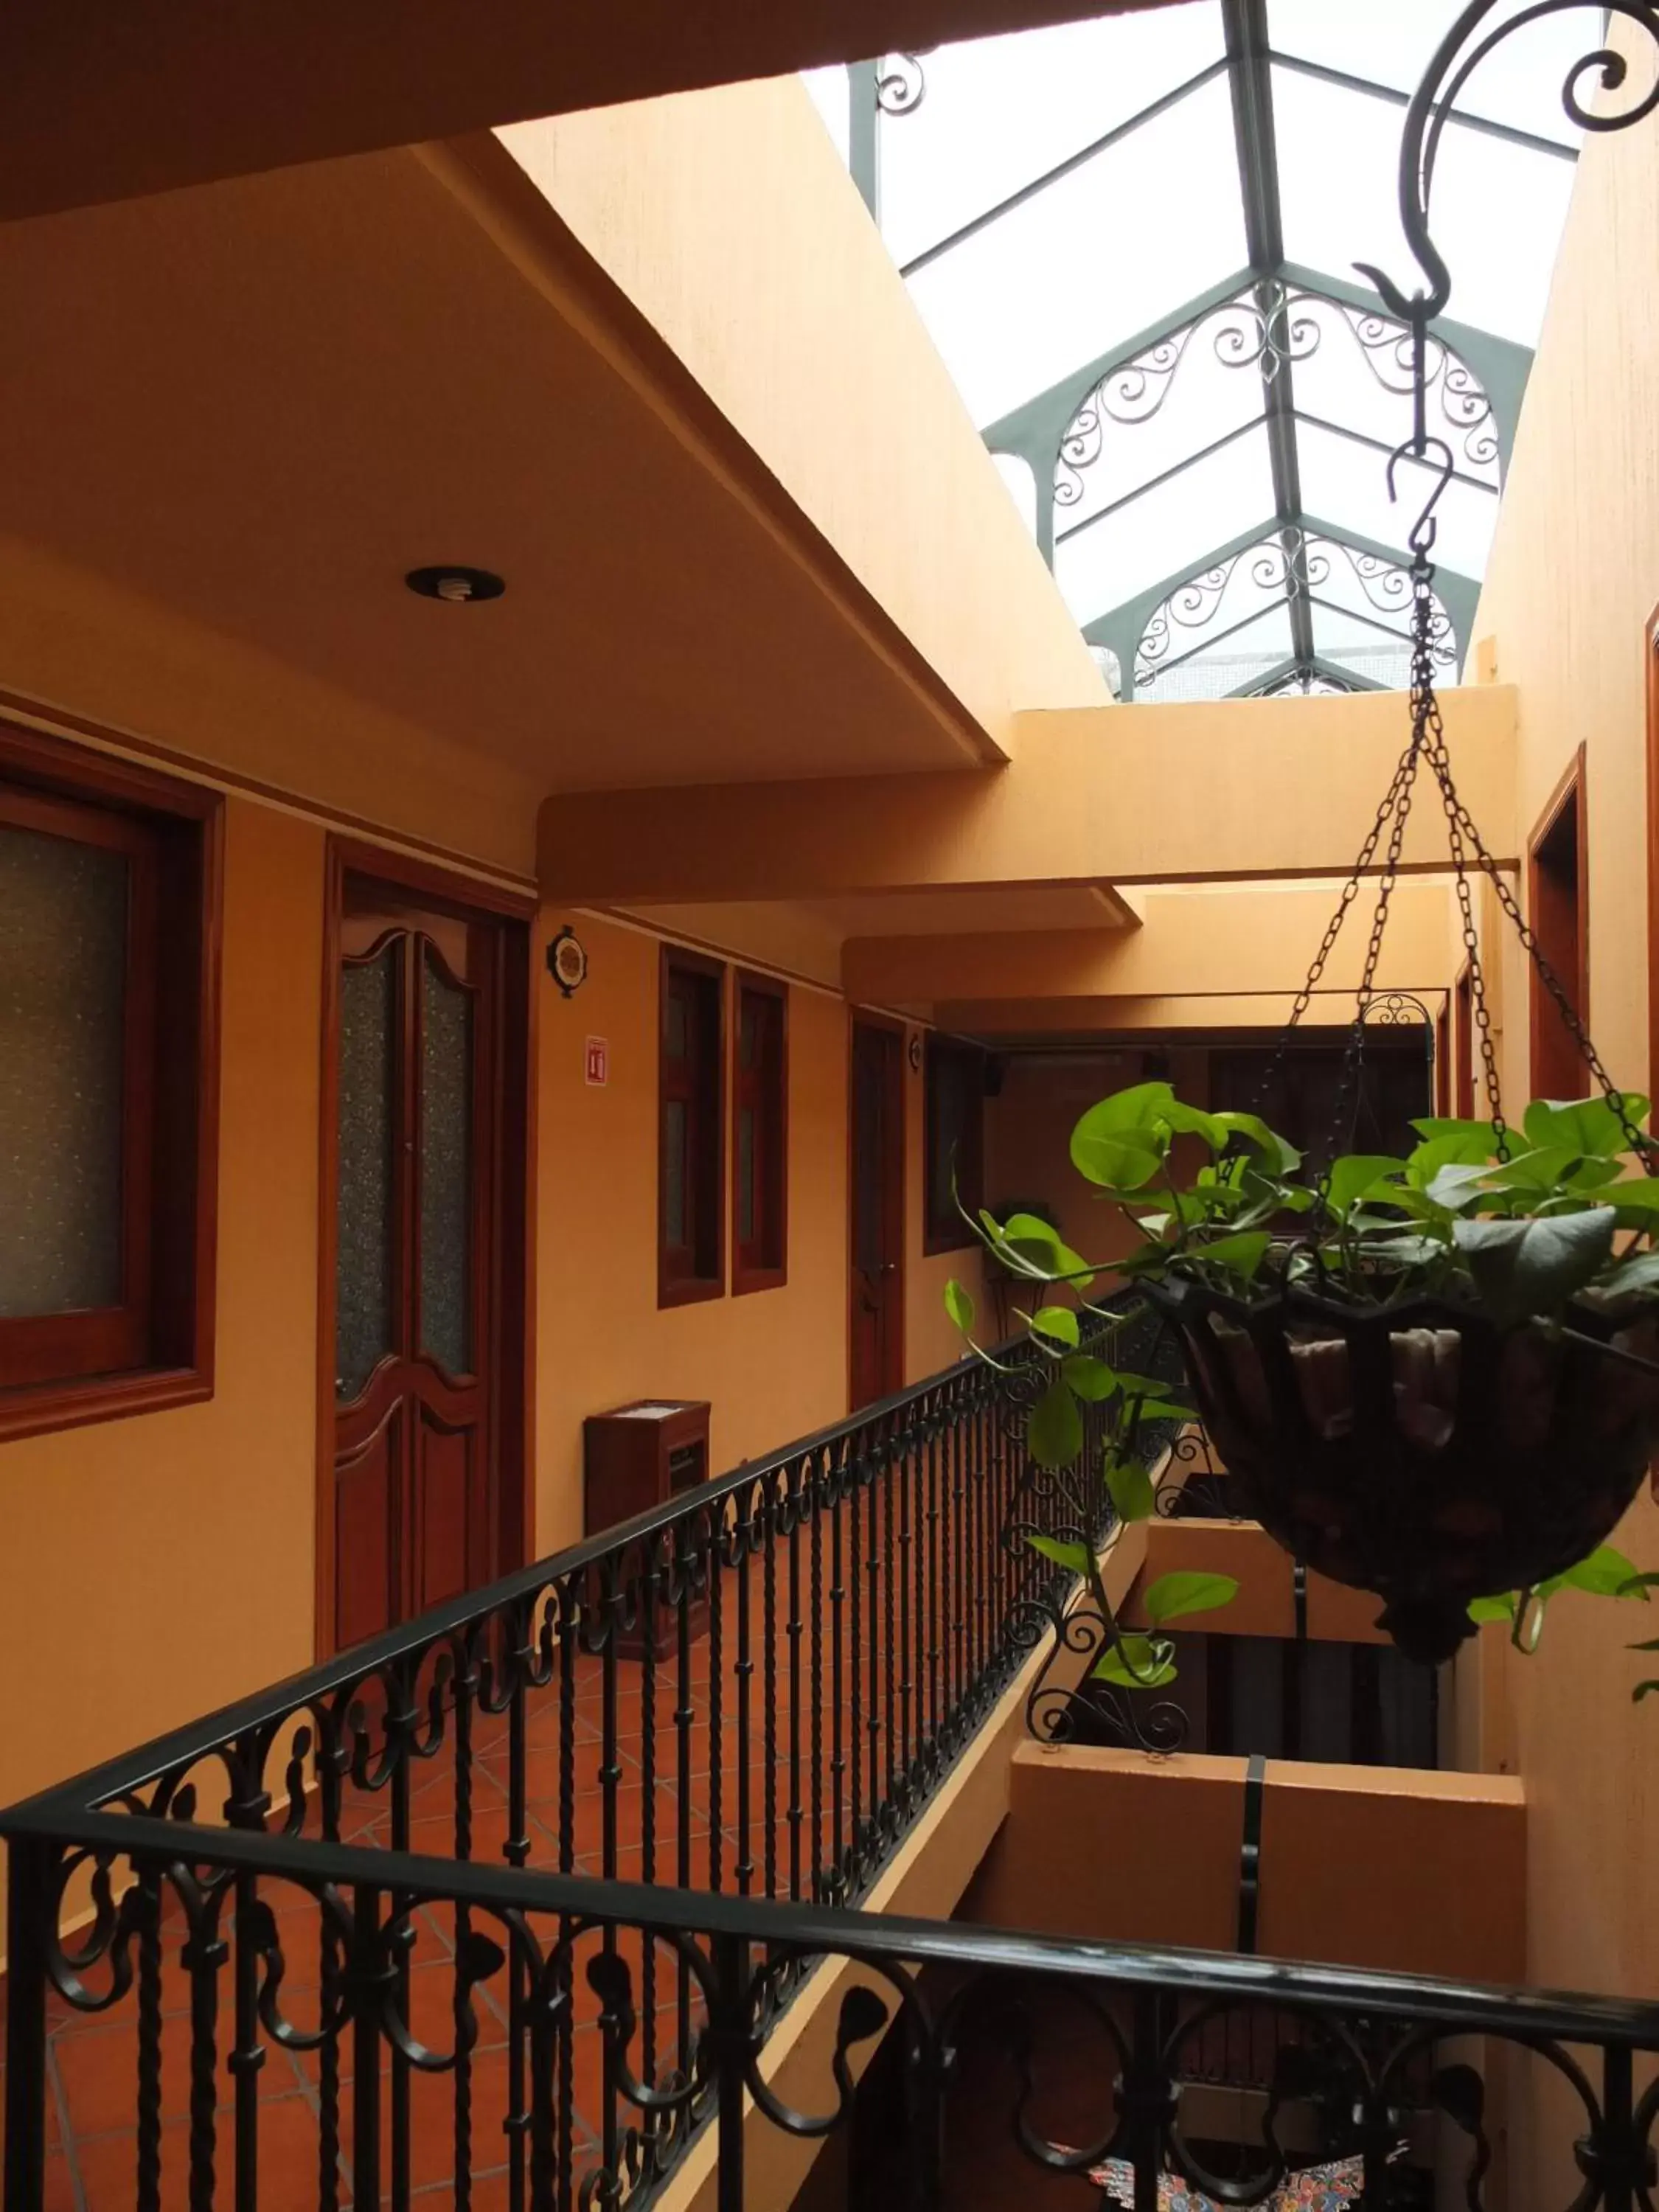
[1573, 577]
[773, 1363]
[1443, 1856]
[157, 1566]
[729, 219]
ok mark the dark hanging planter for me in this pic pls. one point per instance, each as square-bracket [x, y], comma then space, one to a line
[1421, 1452]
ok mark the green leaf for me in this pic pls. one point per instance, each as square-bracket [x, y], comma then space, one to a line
[1432, 1125]
[1074, 1556]
[1240, 1255]
[1140, 1386]
[1454, 1187]
[1143, 1106]
[1525, 1267]
[1130, 1488]
[1461, 1144]
[1114, 1162]
[1145, 1662]
[1160, 1409]
[1581, 1125]
[1636, 1584]
[1605, 1573]
[1053, 1435]
[1495, 1608]
[1636, 1195]
[1352, 1176]
[1091, 1378]
[1641, 1691]
[1546, 1168]
[1276, 1156]
[1171, 1597]
[1058, 1322]
[959, 1305]
[1639, 1273]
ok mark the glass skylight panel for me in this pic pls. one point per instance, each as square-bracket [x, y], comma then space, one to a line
[1168, 530]
[1345, 484]
[1355, 369]
[998, 112]
[1518, 83]
[1498, 208]
[1055, 282]
[1231, 664]
[1158, 409]
[1215, 604]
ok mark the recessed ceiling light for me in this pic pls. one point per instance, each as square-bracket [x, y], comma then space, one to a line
[457, 586]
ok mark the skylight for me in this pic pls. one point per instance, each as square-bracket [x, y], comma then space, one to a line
[1133, 241]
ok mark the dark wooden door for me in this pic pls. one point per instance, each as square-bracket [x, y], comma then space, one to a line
[418, 1002]
[877, 1269]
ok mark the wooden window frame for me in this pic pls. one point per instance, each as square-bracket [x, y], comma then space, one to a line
[677, 1285]
[938, 1233]
[761, 1262]
[156, 1348]
[1572, 790]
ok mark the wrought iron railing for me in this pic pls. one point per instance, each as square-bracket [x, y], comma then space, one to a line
[753, 1691]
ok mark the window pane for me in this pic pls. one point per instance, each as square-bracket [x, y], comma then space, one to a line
[1022, 304]
[1355, 370]
[831, 93]
[997, 112]
[1518, 83]
[363, 1328]
[63, 988]
[445, 1168]
[1229, 665]
[746, 1173]
[1164, 531]
[673, 1167]
[1338, 164]
[1346, 484]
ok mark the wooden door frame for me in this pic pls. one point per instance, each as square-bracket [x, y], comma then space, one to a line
[1571, 785]
[512, 1380]
[895, 1179]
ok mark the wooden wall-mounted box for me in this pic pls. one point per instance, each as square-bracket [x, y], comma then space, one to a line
[635, 1458]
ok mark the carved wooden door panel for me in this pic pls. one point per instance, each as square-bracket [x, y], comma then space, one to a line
[414, 1475]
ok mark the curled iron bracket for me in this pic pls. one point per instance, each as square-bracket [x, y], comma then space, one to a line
[1432, 105]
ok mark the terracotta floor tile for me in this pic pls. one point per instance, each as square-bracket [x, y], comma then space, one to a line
[99, 2077]
[287, 2147]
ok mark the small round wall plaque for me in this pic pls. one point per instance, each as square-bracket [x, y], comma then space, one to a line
[566, 962]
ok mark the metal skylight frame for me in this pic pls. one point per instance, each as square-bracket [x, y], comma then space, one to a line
[1033, 432]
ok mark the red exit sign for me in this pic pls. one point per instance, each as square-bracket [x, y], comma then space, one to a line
[599, 1061]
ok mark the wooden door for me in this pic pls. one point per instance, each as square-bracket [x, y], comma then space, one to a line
[417, 1145]
[877, 1210]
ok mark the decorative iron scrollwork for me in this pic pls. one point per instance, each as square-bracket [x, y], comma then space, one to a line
[901, 83]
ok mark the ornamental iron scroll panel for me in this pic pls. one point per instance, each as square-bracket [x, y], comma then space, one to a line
[198, 1933]
[753, 1691]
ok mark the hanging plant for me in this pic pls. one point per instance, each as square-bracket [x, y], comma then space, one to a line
[1439, 1381]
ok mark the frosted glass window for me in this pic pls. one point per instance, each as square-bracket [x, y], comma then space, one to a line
[1346, 484]
[1022, 486]
[1518, 83]
[1168, 529]
[364, 1327]
[446, 1167]
[831, 92]
[998, 112]
[1055, 282]
[63, 994]
[1338, 165]
[1233, 663]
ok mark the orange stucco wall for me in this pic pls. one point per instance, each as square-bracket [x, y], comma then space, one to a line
[156, 1567]
[1573, 579]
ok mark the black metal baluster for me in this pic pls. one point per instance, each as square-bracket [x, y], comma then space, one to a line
[744, 1866]
[148, 1913]
[559, 2026]
[894, 1470]
[1620, 2151]
[957, 1640]
[857, 1653]
[769, 1675]
[609, 1776]
[907, 1598]
[837, 1679]
[365, 2050]
[729, 2043]
[330, 1786]
[516, 1852]
[649, 1551]
[545, 2018]
[247, 2057]
[819, 1482]
[465, 1684]
[685, 1710]
[398, 1921]
[716, 1666]
[31, 1910]
[203, 1955]
[930, 1568]
[867, 1501]
[799, 1489]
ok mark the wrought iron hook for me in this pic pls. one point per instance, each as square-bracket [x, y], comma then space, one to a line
[1427, 452]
